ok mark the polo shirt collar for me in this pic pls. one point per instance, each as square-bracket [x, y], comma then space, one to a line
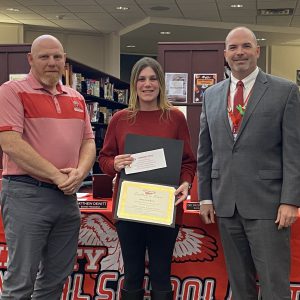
[36, 85]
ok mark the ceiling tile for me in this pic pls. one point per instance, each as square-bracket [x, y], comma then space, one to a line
[71, 24]
[296, 21]
[25, 16]
[234, 14]
[22, 9]
[63, 16]
[9, 3]
[105, 28]
[76, 2]
[111, 8]
[84, 8]
[48, 8]
[265, 4]
[227, 4]
[94, 16]
[198, 11]
[109, 3]
[240, 19]
[271, 20]
[36, 2]
[156, 2]
[297, 10]
[203, 3]
[126, 20]
[43, 22]
[172, 12]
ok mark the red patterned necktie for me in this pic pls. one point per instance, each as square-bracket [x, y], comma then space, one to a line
[238, 99]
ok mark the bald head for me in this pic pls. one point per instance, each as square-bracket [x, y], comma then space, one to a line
[46, 40]
[242, 30]
[47, 61]
[241, 52]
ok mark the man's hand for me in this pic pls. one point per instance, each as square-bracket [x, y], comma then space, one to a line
[207, 213]
[73, 182]
[182, 192]
[121, 161]
[287, 214]
[60, 178]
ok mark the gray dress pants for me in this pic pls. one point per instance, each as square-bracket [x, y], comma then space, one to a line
[256, 247]
[41, 228]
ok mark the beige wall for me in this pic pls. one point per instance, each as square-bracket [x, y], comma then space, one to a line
[112, 54]
[100, 51]
[84, 48]
[284, 61]
[11, 33]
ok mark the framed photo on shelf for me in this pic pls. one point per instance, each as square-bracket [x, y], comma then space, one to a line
[201, 82]
[176, 87]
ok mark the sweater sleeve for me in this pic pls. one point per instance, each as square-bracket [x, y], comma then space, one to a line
[109, 149]
[188, 166]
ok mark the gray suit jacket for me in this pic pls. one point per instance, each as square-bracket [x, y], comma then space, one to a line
[261, 169]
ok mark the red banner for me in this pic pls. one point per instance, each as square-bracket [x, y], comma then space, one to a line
[198, 268]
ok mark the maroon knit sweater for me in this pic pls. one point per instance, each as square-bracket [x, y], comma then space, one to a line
[148, 123]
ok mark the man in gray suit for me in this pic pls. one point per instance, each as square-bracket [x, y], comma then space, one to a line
[249, 171]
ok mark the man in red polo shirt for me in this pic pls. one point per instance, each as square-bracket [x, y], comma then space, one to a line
[48, 148]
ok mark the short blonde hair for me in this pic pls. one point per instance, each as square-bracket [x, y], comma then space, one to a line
[162, 101]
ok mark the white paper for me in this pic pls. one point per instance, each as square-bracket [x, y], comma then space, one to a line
[147, 161]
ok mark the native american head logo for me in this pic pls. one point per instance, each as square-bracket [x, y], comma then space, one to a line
[77, 106]
[192, 244]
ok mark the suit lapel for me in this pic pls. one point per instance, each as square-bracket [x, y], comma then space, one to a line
[259, 88]
[224, 103]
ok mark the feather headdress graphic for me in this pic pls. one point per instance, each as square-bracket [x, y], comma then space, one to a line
[192, 244]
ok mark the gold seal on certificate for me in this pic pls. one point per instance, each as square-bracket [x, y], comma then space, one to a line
[145, 202]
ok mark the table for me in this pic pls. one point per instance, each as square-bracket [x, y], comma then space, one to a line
[198, 268]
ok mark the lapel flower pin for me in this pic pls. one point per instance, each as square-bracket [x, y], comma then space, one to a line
[241, 109]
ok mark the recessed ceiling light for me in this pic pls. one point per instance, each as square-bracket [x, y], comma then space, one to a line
[261, 39]
[130, 46]
[122, 8]
[12, 9]
[165, 32]
[59, 17]
[236, 5]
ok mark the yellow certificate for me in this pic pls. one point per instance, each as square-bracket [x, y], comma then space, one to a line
[143, 202]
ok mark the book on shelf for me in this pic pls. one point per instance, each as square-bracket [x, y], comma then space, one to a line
[121, 96]
[68, 74]
[99, 114]
[76, 82]
[93, 110]
[101, 87]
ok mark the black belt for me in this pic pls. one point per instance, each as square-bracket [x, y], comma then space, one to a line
[31, 180]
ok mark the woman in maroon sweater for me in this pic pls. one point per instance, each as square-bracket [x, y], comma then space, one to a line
[149, 113]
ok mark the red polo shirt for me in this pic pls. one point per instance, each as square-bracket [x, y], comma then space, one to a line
[54, 125]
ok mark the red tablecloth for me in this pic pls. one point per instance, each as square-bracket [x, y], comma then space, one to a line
[198, 268]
